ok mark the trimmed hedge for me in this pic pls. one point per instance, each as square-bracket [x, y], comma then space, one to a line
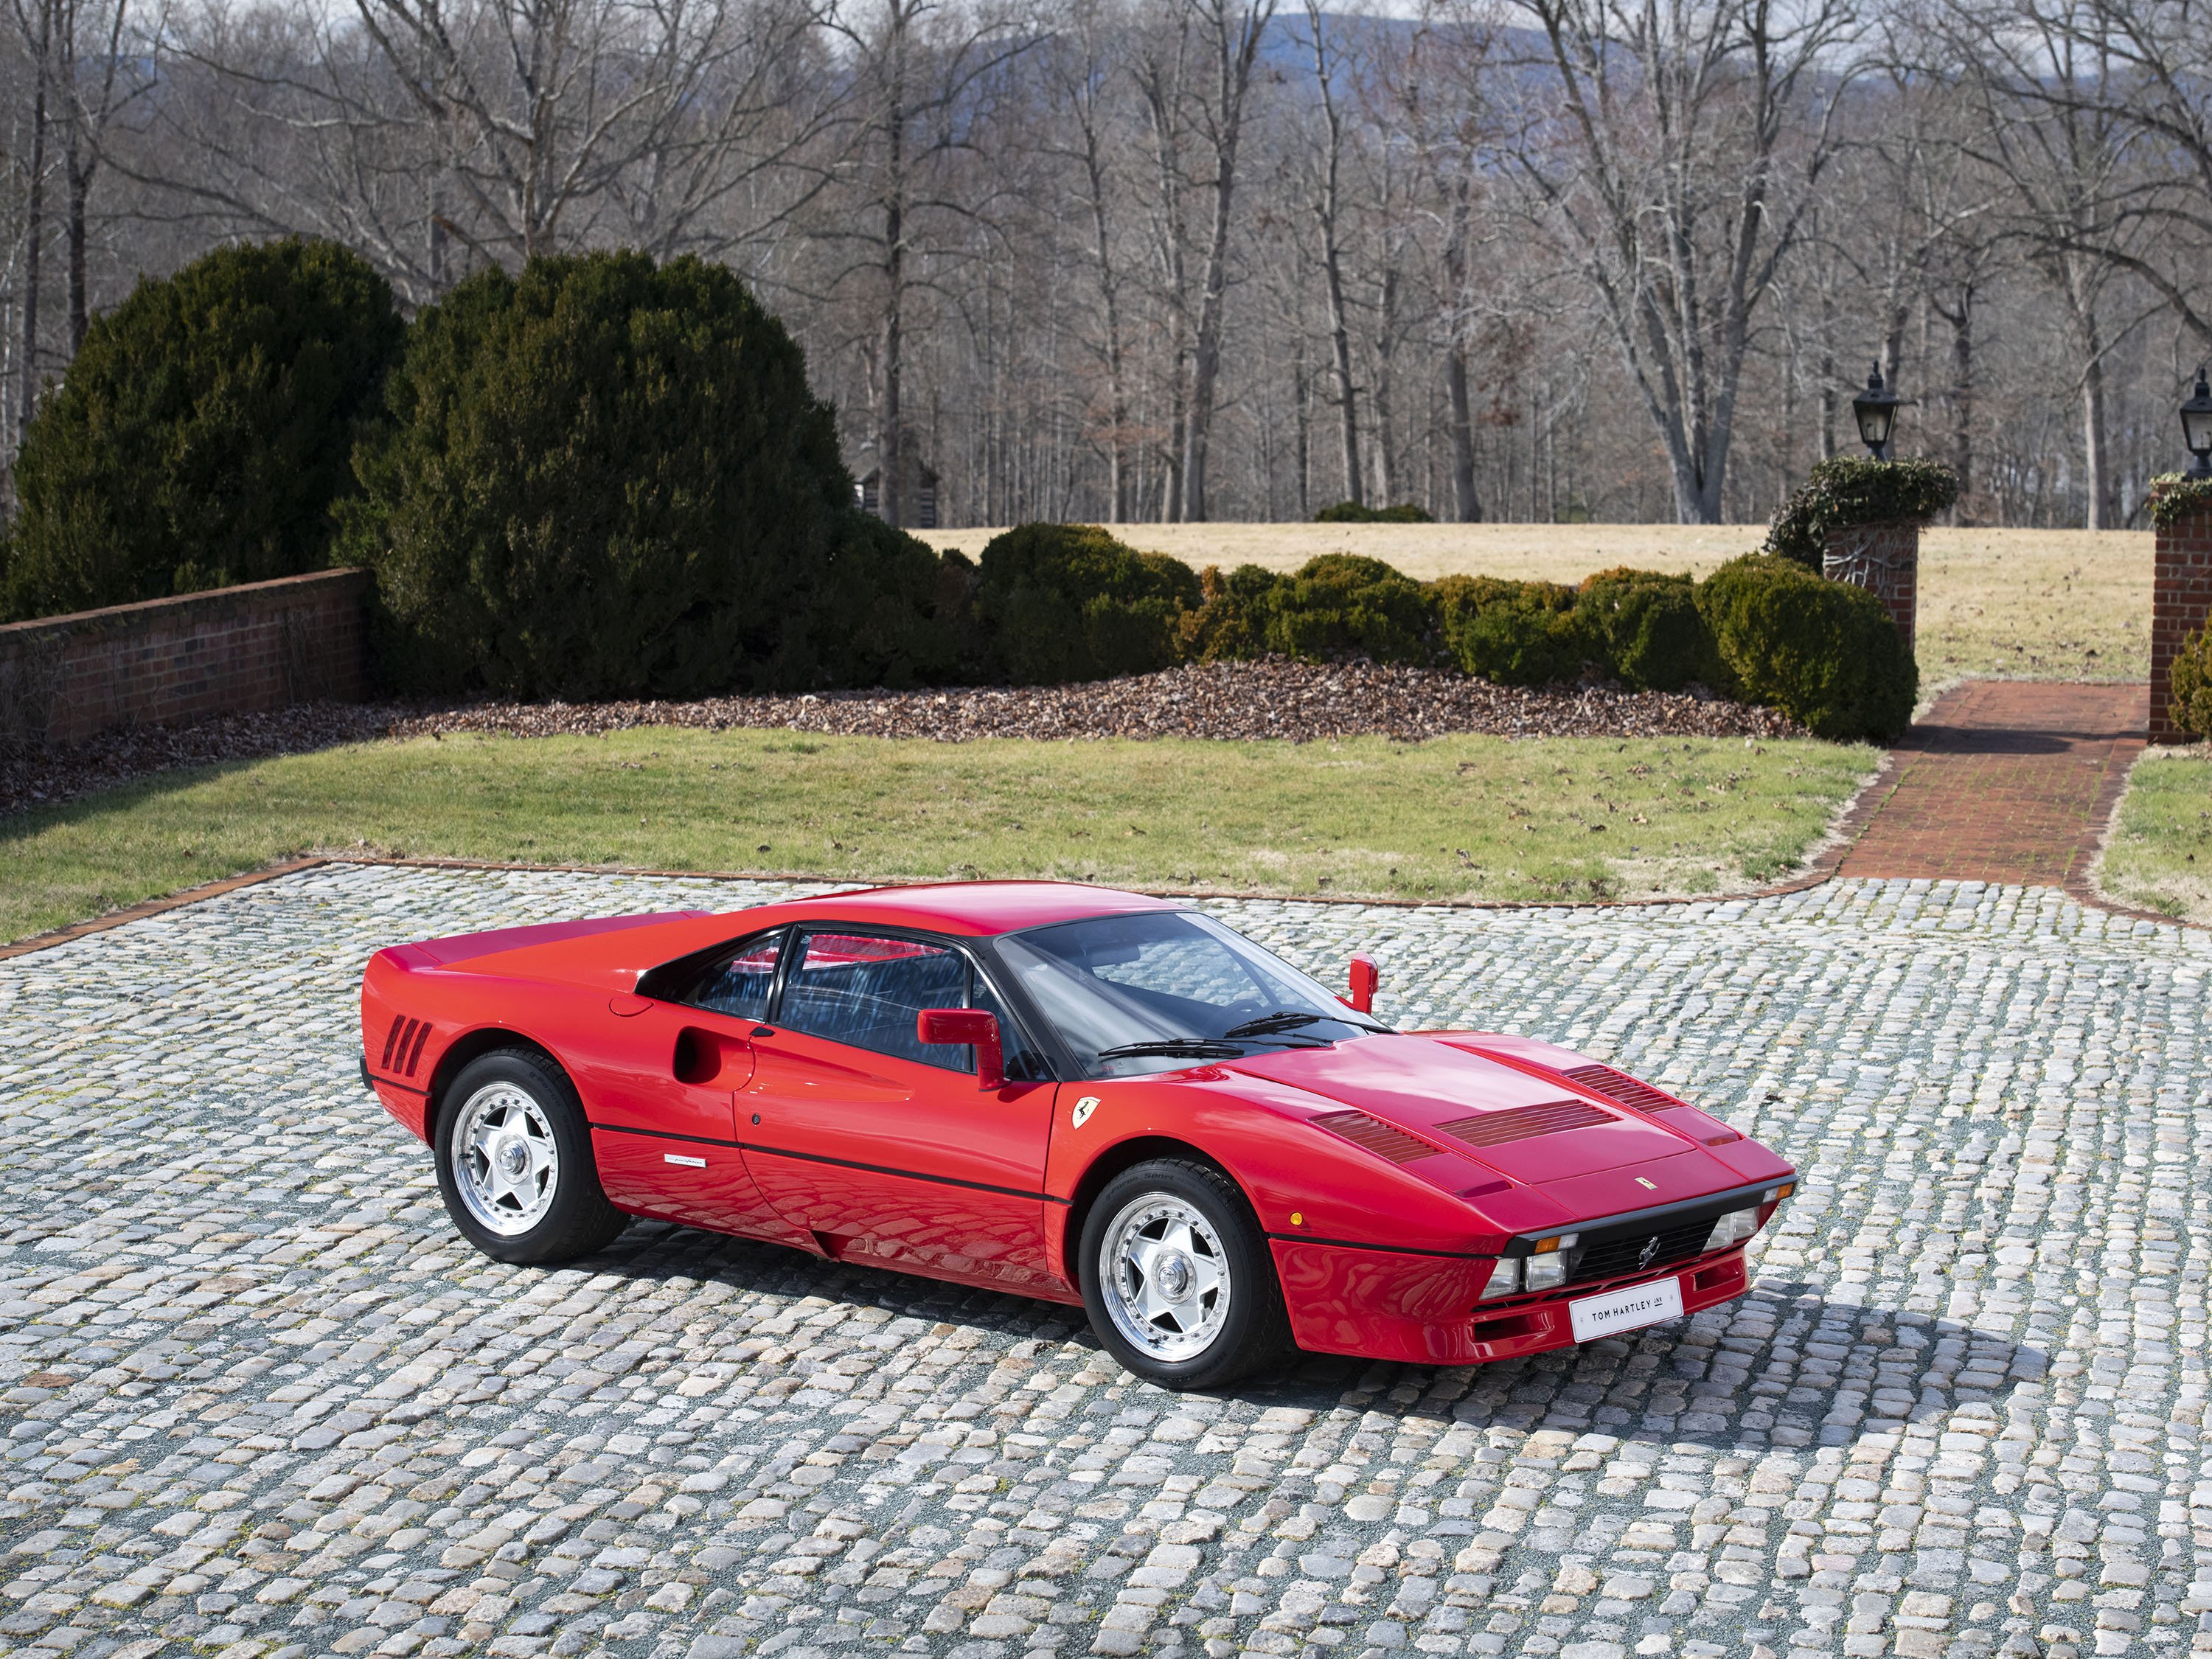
[1825, 653]
[201, 437]
[1058, 602]
[1512, 633]
[1357, 512]
[1839, 493]
[1646, 627]
[2190, 682]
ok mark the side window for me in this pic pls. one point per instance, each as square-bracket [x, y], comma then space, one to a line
[740, 987]
[865, 990]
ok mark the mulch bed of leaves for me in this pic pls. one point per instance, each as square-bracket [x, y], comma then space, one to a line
[1271, 698]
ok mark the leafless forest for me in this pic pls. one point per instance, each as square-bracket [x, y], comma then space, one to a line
[1192, 259]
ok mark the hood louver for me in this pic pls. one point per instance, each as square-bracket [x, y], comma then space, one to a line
[1619, 1086]
[1548, 1117]
[1384, 1140]
[1700, 1126]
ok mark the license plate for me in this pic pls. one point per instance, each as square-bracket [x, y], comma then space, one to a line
[1629, 1310]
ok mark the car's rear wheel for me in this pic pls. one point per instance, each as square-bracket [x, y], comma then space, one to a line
[1176, 1276]
[514, 1161]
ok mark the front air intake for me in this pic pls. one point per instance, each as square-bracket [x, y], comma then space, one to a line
[1549, 1117]
[1384, 1140]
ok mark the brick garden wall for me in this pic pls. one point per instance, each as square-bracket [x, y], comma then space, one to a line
[232, 650]
[1884, 560]
[2180, 604]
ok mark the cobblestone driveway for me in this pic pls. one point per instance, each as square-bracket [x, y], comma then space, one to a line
[258, 1400]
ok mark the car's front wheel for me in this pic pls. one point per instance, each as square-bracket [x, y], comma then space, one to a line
[1177, 1279]
[514, 1161]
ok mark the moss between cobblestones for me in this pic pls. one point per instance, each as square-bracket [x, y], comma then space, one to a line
[1460, 817]
[2161, 854]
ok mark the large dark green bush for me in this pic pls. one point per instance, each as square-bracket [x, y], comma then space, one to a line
[605, 478]
[1843, 492]
[1232, 619]
[1357, 513]
[1646, 627]
[1513, 633]
[203, 432]
[1058, 602]
[1825, 653]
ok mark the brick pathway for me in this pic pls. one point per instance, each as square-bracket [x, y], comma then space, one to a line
[257, 1402]
[2006, 781]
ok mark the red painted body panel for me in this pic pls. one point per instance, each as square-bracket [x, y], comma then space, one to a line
[1384, 1228]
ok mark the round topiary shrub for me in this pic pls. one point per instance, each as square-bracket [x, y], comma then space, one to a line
[1843, 492]
[2188, 684]
[1065, 602]
[1513, 633]
[606, 478]
[202, 434]
[1648, 631]
[1825, 653]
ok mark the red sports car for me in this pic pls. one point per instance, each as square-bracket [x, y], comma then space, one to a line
[1086, 1096]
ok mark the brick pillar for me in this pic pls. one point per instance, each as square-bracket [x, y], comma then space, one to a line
[2180, 604]
[1884, 560]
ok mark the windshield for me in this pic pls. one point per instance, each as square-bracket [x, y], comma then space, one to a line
[1164, 989]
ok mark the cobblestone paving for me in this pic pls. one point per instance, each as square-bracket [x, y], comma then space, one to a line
[258, 1400]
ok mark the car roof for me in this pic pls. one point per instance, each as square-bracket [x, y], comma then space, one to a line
[976, 908]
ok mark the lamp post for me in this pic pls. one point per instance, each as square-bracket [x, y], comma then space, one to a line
[1875, 410]
[2196, 427]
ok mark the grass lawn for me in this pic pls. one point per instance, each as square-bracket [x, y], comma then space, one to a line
[2161, 854]
[2028, 604]
[1458, 818]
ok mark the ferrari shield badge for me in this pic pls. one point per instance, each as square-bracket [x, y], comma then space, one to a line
[1083, 1108]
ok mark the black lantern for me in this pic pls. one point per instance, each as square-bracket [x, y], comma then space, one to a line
[1876, 411]
[2196, 427]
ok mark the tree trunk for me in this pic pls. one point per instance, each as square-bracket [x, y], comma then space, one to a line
[1962, 402]
[34, 226]
[2095, 446]
[890, 492]
[1466, 503]
[1386, 451]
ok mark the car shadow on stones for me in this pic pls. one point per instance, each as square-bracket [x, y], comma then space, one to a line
[1785, 1365]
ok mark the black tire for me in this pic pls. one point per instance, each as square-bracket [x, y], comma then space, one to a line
[551, 1209]
[1232, 1342]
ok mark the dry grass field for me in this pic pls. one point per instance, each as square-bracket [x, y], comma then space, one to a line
[2029, 603]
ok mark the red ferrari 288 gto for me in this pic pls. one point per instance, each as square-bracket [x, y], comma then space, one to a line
[1068, 1092]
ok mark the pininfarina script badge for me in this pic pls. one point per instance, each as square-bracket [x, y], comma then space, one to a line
[1083, 1108]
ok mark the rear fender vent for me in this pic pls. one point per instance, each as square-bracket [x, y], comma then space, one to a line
[1384, 1140]
[1620, 1086]
[1548, 1117]
[403, 1045]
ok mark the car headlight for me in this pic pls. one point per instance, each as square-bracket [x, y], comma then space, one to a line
[1545, 1273]
[1505, 1280]
[1733, 1228]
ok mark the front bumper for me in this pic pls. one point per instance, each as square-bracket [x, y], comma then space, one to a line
[1421, 1310]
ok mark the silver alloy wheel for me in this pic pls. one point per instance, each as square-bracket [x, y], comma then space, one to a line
[1165, 1277]
[506, 1162]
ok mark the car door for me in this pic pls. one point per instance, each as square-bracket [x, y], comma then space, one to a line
[661, 1103]
[883, 1147]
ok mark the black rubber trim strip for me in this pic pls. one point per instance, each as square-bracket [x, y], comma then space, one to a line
[394, 1082]
[1395, 1250]
[840, 1163]
[1524, 1244]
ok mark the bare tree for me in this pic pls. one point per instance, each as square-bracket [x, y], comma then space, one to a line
[1676, 147]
